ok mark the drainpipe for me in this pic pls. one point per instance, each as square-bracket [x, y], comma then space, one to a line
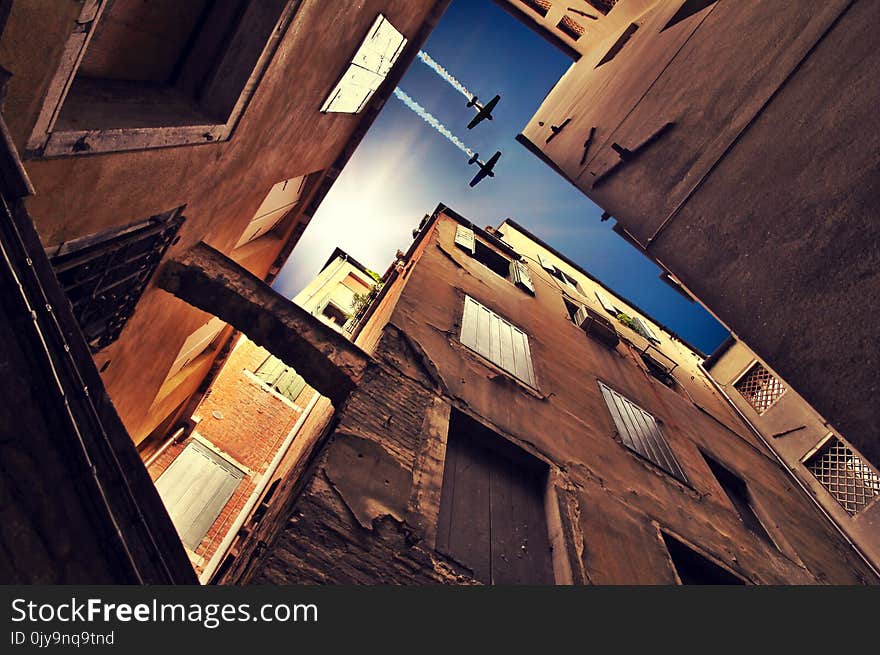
[174, 437]
[220, 553]
[794, 476]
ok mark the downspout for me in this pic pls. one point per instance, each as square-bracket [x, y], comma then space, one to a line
[793, 475]
[243, 515]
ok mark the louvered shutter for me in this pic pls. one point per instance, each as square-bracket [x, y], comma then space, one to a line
[545, 263]
[607, 305]
[290, 384]
[195, 488]
[497, 340]
[640, 433]
[644, 330]
[519, 273]
[464, 238]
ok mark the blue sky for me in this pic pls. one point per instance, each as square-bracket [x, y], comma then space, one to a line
[404, 168]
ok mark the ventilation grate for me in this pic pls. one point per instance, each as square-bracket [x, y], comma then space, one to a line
[843, 473]
[760, 388]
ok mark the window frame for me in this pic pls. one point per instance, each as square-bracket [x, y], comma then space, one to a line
[47, 141]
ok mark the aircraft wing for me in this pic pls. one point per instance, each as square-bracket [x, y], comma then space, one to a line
[484, 112]
[489, 165]
[479, 177]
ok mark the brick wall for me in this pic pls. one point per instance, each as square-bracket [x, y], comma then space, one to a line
[248, 423]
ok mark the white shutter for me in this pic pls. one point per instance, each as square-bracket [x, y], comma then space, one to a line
[546, 263]
[581, 316]
[644, 330]
[499, 341]
[519, 273]
[607, 304]
[464, 238]
[195, 488]
[196, 344]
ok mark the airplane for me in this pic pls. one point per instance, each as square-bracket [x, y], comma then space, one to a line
[485, 168]
[483, 111]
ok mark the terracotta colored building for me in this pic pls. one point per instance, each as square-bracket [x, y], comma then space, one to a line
[519, 422]
[218, 472]
[735, 144]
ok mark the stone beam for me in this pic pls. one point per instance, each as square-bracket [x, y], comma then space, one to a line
[207, 279]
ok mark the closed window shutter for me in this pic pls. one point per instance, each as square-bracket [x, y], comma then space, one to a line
[270, 370]
[464, 238]
[640, 433]
[519, 272]
[290, 384]
[497, 340]
[195, 488]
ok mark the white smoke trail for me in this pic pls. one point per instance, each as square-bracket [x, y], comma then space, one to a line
[430, 120]
[442, 72]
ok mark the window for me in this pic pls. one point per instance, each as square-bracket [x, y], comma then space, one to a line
[157, 74]
[105, 274]
[353, 283]
[514, 270]
[592, 323]
[760, 388]
[281, 198]
[369, 67]
[196, 344]
[618, 45]
[607, 305]
[640, 432]
[737, 491]
[846, 476]
[551, 268]
[695, 569]
[570, 28]
[688, 8]
[659, 365]
[335, 314]
[602, 6]
[539, 6]
[502, 343]
[492, 516]
[282, 378]
[195, 488]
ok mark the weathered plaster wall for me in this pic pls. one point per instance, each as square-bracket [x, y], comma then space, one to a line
[347, 527]
[760, 197]
[280, 136]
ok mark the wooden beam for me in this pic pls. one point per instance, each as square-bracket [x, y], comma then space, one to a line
[207, 279]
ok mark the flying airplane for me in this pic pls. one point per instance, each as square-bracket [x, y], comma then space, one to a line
[485, 168]
[483, 111]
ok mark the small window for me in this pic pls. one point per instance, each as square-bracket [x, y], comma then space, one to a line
[695, 569]
[618, 45]
[760, 388]
[513, 270]
[502, 343]
[282, 378]
[353, 283]
[640, 432]
[154, 74]
[596, 326]
[607, 305]
[846, 476]
[570, 28]
[659, 365]
[105, 274]
[335, 314]
[492, 517]
[492, 260]
[539, 6]
[740, 496]
[281, 198]
[195, 488]
[602, 6]
[370, 65]
[688, 8]
[558, 273]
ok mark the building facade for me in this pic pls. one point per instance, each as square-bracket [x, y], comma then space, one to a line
[735, 144]
[223, 123]
[841, 479]
[518, 422]
[218, 471]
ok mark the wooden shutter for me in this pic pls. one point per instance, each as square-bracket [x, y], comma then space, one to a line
[492, 516]
[519, 273]
[546, 264]
[607, 305]
[500, 342]
[644, 330]
[270, 370]
[195, 488]
[290, 384]
[464, 238]
[640, 433]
